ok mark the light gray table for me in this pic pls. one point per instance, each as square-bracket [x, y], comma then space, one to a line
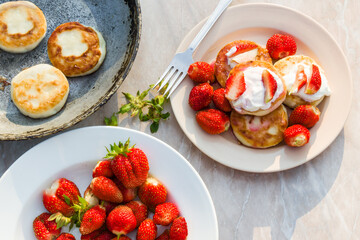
[318, 200]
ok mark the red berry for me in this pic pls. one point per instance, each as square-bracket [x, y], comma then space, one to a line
[128, 193]
[66, 236]
[165, 213]
[164, 235]
[296, 136]
[300, 80]
[270, 85]
[147, 230]
[103, 168]
[178, 229]
[201, 72]
[105, 189]
[45, 229]
[220, 100]
[152, 193]
[121, 220]
[235, 86]
[200, 96]
[140, 211]
[314, 83]
[306, 115]
[93, 219]
[213, 121]
[280, 46]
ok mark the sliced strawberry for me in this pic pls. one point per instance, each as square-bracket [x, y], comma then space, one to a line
[178, 229]
[93, 219]
[140, 211]
[314, 84]
[105, 189]
[300, 80]
[306, 115]
[270, 85]
[296, 136]
[147, 230]
[235, 86]
[245, 47]
[44, 229]
[165, 213]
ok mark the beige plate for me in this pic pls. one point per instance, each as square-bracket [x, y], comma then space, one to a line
[257, 22]
[119, 21]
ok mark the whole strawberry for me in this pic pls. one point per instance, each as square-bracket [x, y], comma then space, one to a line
[105, 189]
[147, 230]
[164, 235]
[178, 229]
[200, 96]
[103, 168]
[129, 164]
[213, 121]
[306, 115]
[201, 72]
[165, 213]
[128, 193]
[66, 236]
[93, 219]
[121, 220]
[139, 209]
[62, 194]
[296, 136]
[45, 229]
[221, 101]
[152, 193]
[105, 235]
[280, 46]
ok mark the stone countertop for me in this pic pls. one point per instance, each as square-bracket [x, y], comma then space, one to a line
[318, 200]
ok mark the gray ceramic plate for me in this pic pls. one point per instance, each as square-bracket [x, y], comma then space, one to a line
[119, 21]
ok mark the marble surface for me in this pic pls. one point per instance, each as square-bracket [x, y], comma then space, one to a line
[318, 200]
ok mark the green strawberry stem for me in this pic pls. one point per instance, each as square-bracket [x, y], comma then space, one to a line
[118, 149]
[147, 110]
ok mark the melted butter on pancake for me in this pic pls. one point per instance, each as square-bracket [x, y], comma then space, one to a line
[72, 43]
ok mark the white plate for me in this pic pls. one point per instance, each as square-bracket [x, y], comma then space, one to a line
[74, 154]
[258, 22]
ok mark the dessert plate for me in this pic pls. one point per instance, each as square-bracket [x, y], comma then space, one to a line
[119, 21]
[258, 22]
[74, 154]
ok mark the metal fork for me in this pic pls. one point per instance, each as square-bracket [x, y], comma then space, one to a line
[179, 65]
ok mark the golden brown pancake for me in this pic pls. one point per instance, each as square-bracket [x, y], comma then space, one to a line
[260, 132]
[222, 67]
[22, 26]
[75, 49]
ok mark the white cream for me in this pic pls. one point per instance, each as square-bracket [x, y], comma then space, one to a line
[289, 79]
[253, 98]
[240, 58]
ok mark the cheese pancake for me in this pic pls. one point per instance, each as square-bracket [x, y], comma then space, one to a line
[75, 49]
[39, 91]
[22, 26]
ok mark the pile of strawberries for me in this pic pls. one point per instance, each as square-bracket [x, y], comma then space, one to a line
[109, 209]
[216, 121]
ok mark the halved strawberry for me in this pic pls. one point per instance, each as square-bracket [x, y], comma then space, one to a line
[300, 80]
[314, 84]
[105, 189]
[93, 219]
[165, 213]
[152, 193]
[44, 229]
[147, 230]
[139, 209]
[296, 136]
[270, 85]
[235, 86]
[245, 47]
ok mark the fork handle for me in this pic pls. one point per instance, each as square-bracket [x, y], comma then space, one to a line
[222, 5]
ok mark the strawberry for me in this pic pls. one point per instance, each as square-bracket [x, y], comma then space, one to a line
[128, 193]
[306, 115]
[280, 46]
[139, 209]
[94, 234]
[106, 235]
[200, 96]
[235, 86]
[201, 72]
[152, 193]
[243, 47]
[105, 189]
[165, 213]
[130, 165]
[122, 238]
[121, 220]
[270, 85]
[62, 194]
[66, 236]
[296, 135]
[147, 230]
[220, 100]
[103, 168]
[164, 235]
[90, 198]
[109, 206]
[45, 229]
[178, 229]
[93, 219]
[314, 83]
[300, 80]
[213, 121]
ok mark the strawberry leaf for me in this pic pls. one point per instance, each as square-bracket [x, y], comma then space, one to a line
[112, 121]
[67, 200]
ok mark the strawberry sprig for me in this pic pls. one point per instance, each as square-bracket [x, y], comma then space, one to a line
[147, 110]
[117, 149]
